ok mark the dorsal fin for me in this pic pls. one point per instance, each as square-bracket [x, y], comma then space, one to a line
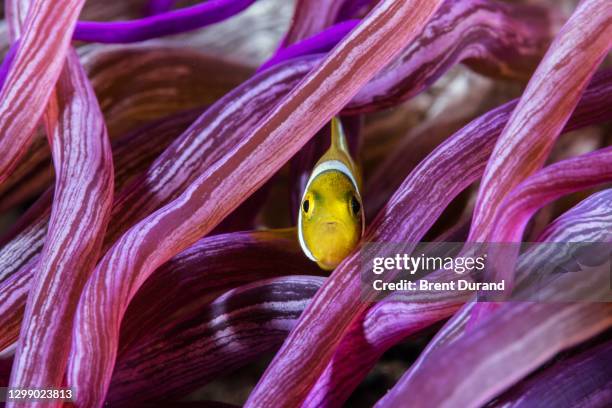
[338, 138]
[339, 150]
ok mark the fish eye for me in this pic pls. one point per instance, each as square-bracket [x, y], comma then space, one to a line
[306, 205]
[355, 205]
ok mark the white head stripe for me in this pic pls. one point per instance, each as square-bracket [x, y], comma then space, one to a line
[332, 165]
[301, 238]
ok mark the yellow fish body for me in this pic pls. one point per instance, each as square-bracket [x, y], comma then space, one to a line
[331, 219]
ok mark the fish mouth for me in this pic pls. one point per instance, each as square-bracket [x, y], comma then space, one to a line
[331, 221]
[333, 231]
[330, 226]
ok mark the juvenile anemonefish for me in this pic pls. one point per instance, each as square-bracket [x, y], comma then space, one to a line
[331, 220]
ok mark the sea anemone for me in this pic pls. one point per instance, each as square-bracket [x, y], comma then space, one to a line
[148, 242]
